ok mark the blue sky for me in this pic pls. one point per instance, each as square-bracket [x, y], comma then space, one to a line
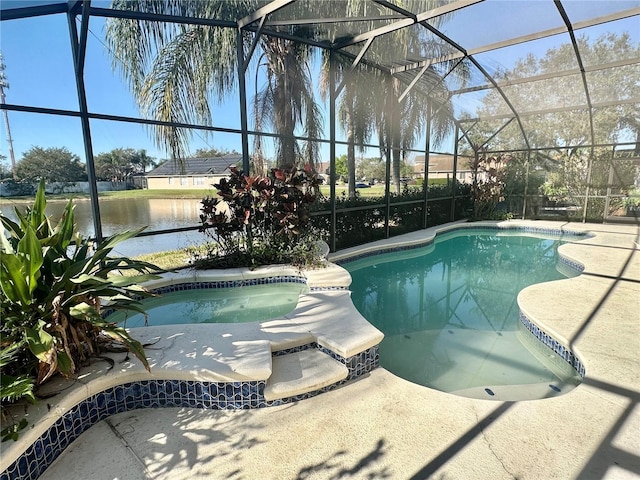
[39, 69]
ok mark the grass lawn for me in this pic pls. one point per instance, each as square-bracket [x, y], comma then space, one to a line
[168, 260]
[174, 193]
[177, 193]
[374, 191]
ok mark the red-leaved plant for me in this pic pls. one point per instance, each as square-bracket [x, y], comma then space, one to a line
[258, 220]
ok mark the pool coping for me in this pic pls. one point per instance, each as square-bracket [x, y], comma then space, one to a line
[228, 366]
[78, 393]
[546, 337]
[382, 425]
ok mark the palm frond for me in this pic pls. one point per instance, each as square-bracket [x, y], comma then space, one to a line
[172, 69]
[13, 389]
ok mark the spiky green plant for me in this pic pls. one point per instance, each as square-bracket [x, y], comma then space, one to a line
[54, 283]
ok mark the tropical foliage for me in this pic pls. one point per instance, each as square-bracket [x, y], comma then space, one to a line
[374, 168]
[213, 152]
[175, 70]
[571, 127]
[361, 219]
[341, 167]
[375, 102]
[121, 164]
[54, 285]
[404, 119]
[257, 220]
[565, 172]
[286, 102]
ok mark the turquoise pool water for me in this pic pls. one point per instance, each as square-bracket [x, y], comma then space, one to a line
[249, 303]
[450, 316]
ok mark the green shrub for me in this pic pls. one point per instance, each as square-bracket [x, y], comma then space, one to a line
[361, 220]
[595, 210]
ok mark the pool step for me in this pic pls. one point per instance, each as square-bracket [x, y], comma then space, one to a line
[302, 372]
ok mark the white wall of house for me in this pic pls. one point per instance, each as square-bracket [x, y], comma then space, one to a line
[441, 166]
[464, 176]
[185, 182]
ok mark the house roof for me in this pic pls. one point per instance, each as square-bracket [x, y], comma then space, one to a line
[196, 166]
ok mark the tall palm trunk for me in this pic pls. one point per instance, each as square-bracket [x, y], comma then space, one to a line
[283, 108]
[287, 156]
[394, 138]
[287, 150]
[351, 149]
[287, 101]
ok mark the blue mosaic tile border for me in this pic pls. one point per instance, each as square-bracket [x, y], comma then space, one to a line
[300, 348]
[399, 248]
[559, 349]
[131, 396]
[569, 267]
[180, 287]
[318, 289]
[536, 230]
[357, 365]
[164, 393]
[304, 396]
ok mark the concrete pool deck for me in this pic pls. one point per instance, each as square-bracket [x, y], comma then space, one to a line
[381, 426]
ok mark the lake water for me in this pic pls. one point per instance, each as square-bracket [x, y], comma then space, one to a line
[130, 213]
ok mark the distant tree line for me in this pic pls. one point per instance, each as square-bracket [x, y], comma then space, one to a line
[52, 164]
[58, 164]
[213, 152]
[122, 163]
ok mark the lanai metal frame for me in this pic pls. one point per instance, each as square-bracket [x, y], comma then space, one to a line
[274, 18]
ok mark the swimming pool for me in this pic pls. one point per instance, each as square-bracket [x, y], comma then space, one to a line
[450, 317]
[238, 304]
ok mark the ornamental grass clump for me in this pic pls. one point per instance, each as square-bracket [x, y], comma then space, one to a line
[261, 220]
[54, 284]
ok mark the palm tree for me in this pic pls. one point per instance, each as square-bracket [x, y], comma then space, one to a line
[174, 70]
[287, 101]
[356, 108]
[141, 160]
[373, 100]
[399, 122]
